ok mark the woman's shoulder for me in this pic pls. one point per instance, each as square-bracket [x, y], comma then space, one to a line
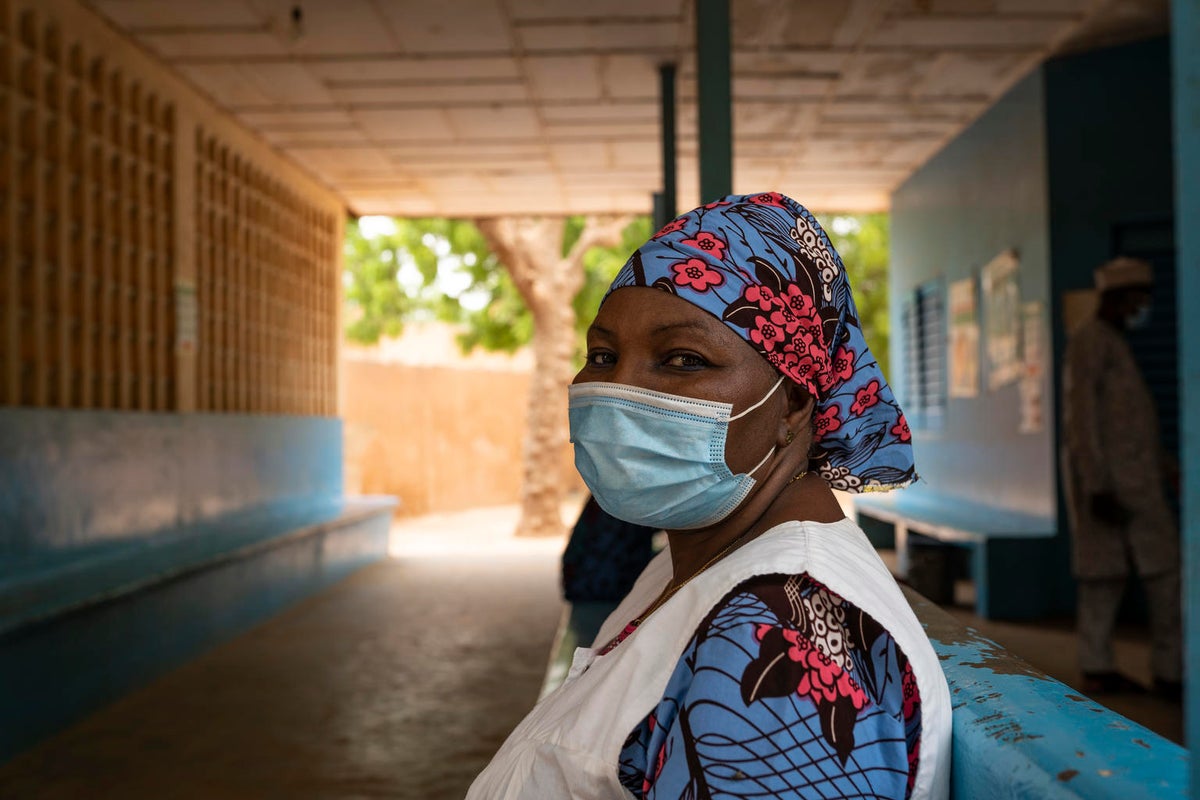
[785, 647]
[795, 601]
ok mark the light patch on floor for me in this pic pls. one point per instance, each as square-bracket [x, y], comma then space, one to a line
[487, 531]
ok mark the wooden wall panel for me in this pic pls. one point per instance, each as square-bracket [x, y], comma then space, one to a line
[10, 290]
[112, 209]
[265, 271]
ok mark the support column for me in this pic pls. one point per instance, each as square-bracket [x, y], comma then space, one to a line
[666, 209]
[1185, 69]
[713, 99]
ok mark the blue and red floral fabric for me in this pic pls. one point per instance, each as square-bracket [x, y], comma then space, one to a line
[788, 691]
[763, 265]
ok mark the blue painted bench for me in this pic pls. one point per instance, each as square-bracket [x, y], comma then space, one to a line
[1017, 563]
[39, 589]
[1018, 733]
[130, 543]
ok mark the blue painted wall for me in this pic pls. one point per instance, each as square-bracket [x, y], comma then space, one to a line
[130, 542]
[61, 668]
[1072, 166]
[1185, 54]
[983, 193]
[1108, 133]
[75, 482]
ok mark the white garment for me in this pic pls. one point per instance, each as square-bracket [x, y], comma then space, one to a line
[569, 744]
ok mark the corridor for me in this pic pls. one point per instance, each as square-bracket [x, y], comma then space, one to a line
[398, 682]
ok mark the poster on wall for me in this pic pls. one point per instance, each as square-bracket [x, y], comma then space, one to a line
[186, 317]
[1002, 319]
[964, 339]
[1033, 368]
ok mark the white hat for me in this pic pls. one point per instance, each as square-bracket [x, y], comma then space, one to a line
[1122, 272]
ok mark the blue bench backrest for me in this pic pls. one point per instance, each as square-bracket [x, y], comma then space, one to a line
[1018, 733]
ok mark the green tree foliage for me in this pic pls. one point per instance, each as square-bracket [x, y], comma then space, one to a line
[483, 301]
[862, 242]
[459, 281]
[377, 302]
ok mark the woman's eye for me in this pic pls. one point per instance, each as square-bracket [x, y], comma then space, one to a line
[686, 361]
[600, 358]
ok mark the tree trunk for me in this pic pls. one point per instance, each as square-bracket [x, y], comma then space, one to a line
[546, 422]
[531, 251]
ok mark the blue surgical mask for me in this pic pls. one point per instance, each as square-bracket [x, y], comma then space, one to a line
[1139, 319]
[657, 459]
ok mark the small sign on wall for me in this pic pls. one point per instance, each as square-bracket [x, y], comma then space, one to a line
[1033, 368]
[1002, 318]
[964, 339]
[186, 317]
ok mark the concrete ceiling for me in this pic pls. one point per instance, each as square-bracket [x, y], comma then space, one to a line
[483, 107]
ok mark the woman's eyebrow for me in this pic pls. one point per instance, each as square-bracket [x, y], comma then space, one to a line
[694, 327]
[599, 330]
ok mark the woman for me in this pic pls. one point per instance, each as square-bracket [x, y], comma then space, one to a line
[767, 652]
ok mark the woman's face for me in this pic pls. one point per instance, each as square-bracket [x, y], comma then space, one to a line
[650, 339]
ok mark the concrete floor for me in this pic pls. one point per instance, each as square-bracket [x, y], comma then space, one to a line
[399, 682]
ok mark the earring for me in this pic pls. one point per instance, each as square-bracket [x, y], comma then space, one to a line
[788, 439]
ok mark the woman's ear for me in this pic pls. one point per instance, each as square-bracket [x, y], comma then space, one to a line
[800, 410]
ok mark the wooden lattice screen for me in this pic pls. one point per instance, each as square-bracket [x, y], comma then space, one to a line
[266, 287]
[86, 245]
[91, 287]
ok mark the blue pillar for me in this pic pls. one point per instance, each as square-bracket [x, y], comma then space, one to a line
[1185, 68]
[713, 98]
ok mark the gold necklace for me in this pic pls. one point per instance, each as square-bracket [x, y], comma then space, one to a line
[671, 592]
[720, 554]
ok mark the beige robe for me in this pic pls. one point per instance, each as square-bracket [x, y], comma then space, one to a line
[1110, 444]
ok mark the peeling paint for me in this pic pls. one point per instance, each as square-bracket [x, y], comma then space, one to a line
[1013, 723]
[1009, 731]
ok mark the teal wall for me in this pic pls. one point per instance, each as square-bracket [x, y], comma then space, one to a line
[1071, 167]
[1185, 53]
[80, 485]
[1108, 132]
[983, 193]
[130, 542]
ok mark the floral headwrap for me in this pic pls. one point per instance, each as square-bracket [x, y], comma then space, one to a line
[762, 265]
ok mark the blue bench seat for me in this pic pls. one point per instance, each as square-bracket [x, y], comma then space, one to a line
[1016, 558]
[41, 588]
[76, 635]
[130, 542]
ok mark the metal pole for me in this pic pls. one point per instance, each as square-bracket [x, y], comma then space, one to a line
[1185, 69]
[713, 98]
[666, 83]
